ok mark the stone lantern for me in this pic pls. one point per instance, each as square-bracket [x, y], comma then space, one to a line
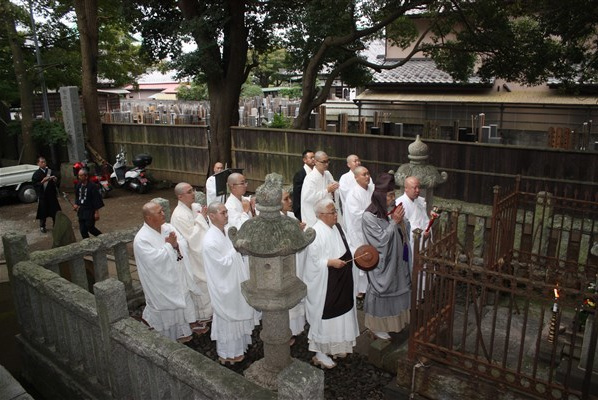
[418, 166]
[271, 241]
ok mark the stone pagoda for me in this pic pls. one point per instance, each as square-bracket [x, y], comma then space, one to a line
[271, 241]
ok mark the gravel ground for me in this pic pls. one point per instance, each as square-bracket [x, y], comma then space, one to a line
[352, 378]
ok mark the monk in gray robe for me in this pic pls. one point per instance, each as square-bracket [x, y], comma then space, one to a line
[388, 296]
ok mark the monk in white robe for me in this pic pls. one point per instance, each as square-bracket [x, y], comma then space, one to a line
[193, 226]
[330, 301]
[160, 255]
[318, 184]
[233, 319]
[211, 185]
[415, 209]
[239, 207]
[345, 183]
[297, 313]
[357, 200]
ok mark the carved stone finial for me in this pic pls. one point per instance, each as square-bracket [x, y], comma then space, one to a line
[418, 166]
[269, 195]
[418, 151]
[270, 233]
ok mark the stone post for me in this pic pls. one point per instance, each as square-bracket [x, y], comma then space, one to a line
[479, 240]
[589, 340]
[542, 219]
[111, 305]
[271, 242]
[78, 273]
[71, 115]
[123, 269]
[15, 250]
[100, 265]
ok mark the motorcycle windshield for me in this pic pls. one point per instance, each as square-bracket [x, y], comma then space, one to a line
[120, 173]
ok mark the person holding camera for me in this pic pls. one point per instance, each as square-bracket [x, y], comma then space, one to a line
[44, 180]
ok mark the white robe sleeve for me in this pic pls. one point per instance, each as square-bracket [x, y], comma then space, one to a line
[225, 271]
[345, 184]
[314, 188]
[354, 208]
[315, 272]
[211, 190]
[159, 272]
[189, 279]
[236, 215]
[193, 227]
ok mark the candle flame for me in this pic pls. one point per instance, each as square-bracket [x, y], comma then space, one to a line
[556, 293]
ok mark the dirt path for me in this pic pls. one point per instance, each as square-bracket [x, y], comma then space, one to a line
[122, 209]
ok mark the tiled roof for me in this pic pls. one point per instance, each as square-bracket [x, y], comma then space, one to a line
[419, 72]
[153, 76]
[546, 97]
[374, 51]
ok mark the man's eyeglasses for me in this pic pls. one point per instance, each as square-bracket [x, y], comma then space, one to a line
[331, 212]
[240, 183]
[323, 161]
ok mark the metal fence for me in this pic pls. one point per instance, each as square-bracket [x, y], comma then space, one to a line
[526, 319]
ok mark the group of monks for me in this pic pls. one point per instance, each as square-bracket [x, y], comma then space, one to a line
[191, 273]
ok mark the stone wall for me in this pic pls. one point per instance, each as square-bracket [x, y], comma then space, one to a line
[80, 345]
[76, 344]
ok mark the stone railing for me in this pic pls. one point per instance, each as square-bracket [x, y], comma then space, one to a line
[76, 344]
[98, 248]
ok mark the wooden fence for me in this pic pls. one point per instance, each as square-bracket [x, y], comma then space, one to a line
[181, 154]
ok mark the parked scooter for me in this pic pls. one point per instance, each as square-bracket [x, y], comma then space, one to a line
[131, 178]
[102, 179]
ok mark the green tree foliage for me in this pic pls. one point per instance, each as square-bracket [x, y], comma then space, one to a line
[121, 60]
[118, 59]
[196, 91]
[327, 38]
[49, 132]
[249, 90]
[290, 92]
[280, 121]
[13, 40]
[271, 68]
[526, 42]
[224, 33]
[9, 89]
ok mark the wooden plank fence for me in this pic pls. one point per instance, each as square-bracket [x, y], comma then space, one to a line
[181, 154]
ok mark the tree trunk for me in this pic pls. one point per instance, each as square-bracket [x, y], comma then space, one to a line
[307, 100]
[302, 119]
[87, 23]
[29, 152]
[225, 67]
[224, 113]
